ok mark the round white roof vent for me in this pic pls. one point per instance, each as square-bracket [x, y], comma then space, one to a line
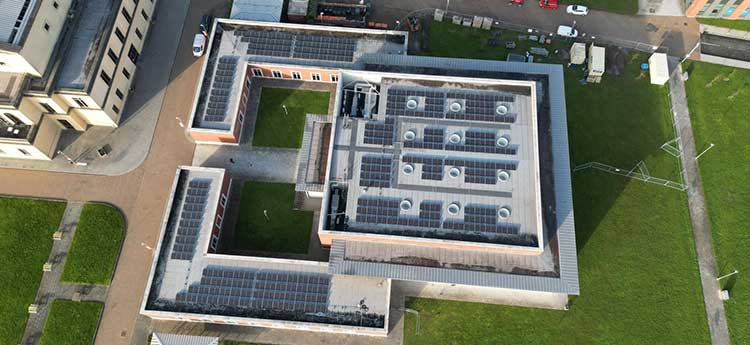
[455, 138]
[454, 172]
[407, 169]
[501, 109]
[503, 176]
[503, 212]
[455, 107]
[410, 135]
[453, 208]
[503, 141]
[405, 204]
[412, 104]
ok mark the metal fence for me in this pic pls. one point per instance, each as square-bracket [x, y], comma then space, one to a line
[640, 175]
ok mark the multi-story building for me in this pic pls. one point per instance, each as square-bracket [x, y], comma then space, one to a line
[725, 9]
[64, 67]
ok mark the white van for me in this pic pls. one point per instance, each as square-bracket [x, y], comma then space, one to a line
[567, 31]
[199, 45]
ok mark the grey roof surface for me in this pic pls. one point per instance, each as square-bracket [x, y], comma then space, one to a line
[179, 339]
[10, 15]
[87, 38]
[311, 155]
[258, 10]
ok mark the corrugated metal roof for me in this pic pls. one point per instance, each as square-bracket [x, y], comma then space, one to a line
[178, 339]
[260, 10]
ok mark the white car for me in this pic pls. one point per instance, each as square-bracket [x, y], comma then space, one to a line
[199, 44]
[567, 31]
[578, 10]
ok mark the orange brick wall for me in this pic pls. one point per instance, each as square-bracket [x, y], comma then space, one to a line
[226, 137]
[286, 72]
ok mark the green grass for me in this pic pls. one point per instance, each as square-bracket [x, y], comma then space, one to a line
[617, 6]
[726, 23]
[274, 128]
[71, 323]
[636, 257]
[95, 246]
[26, 228]
[717, 98]
[287, 231]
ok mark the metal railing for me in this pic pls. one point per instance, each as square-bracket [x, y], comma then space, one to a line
[641, 175]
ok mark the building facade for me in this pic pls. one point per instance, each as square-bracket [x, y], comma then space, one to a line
[723, 9]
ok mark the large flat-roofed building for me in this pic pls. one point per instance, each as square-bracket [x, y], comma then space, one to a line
[192, 282]
[77, 74]
[240, 50]
[725, 9]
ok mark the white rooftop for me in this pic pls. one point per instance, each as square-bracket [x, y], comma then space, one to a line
[14, 16]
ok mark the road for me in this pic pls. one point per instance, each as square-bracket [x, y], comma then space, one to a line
[675, 35]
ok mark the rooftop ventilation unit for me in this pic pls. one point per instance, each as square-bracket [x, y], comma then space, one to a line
[502, 108]
[454, 172]
[453, 208]
[503, 176]
[405, 204]
[415, 103]
[455, 138]
[503, 212]
[503, 141]
[410, 135]
[412, 104]
[408, 169]
[455, 107]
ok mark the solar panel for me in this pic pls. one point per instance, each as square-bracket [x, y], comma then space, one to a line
[221, 85]
[270, 43]
[380, 133]
[191, 218]
[430, 209]
[330, 48]
[376, 170]
[432, 172]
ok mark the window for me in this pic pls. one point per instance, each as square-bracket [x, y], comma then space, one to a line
[138, 33]
[334, 78]
[65, 124]
[127, 15]
[47, 107]
[81, 103]
[316, 76]
[219, 220]
[46, 26]
[115, 109]
[125, 73]
[133, 54]
[276, 74]
[119, 94]
[145, 16]
[296, 75]
[257, 72]
[25, 153]
[10, 118]
[223, 200]
[214, 241]
[119, 35]
[112, 55]
[107, 79]
[55, 4]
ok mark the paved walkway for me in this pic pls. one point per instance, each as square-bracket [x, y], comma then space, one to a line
[51, 288]
[717, 321]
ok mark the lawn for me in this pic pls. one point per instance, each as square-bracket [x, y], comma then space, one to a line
[284, 230]
[71, 323]
[636, 257]
[717, 98]
[617, 6]
[274, 127]
[26, 228]
[726, 23]
[95, 246]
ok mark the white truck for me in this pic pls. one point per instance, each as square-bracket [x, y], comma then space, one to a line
[596, 64]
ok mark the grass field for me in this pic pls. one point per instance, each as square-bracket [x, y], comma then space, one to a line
[26, 228]
[286, 230]
[717, 98]
[725, 23]
[636, 257]
[71, 323]
[617, 6]
[95, 246]
[275, 128]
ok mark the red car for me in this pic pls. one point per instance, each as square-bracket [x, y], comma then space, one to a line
[551, 4]
[516, 2]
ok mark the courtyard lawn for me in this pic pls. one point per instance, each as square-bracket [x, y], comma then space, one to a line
[726, 23]
[26, 228]
[274, 127]
[717, 98]
[636, 257]
[617, 6]
[71, 323]
[285, 230]
[95, 246]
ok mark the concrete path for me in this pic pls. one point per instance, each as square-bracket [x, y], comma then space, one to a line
[661, 7]
[717, 321]
[51, 288]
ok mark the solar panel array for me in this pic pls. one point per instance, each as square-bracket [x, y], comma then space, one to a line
[221, 89]
[380, 133]
[268, 43]
[384, 210]
[376, 170]
[481, 141]
[191, 219]
[433, 139]
[327, 48]
[476, 171]
[259, 290]
[478, 105]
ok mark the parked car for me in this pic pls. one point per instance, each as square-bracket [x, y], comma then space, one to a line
[206, 22]
[551, 4]
[516, 2]
[578, 10]
[199, 44]
[567, 31]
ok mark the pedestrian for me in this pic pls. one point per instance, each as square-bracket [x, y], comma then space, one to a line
[231, 160]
